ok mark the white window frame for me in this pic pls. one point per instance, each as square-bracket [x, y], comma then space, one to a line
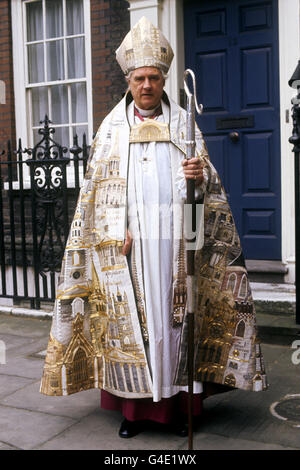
[23, 117]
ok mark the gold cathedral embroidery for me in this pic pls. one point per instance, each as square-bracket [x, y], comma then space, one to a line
[149, 131]
[100, 321]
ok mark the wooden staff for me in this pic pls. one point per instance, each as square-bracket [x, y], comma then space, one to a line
[191, 228]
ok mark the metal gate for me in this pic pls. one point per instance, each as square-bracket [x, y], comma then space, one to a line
[39, 188]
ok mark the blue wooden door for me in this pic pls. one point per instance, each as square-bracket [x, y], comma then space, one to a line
[232, 46]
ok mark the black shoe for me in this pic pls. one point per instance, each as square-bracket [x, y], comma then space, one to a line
[130, 428]
[196, 422]
[181, 430]
[180, 427]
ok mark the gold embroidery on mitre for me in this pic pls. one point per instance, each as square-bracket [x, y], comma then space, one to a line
[149, 131]
[144, 46]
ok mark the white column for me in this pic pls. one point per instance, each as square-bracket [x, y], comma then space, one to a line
[18, 70]
[171, 24]
[148, 8]
[288, 58]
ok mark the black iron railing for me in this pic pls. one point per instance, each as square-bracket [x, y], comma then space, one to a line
[294, 82]
[39, 188]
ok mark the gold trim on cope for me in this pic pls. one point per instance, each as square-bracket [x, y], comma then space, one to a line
[149, 131]
[144, 46]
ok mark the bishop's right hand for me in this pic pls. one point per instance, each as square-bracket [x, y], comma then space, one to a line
[127, 244]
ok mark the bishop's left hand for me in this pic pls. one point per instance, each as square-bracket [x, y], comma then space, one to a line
[193, 169]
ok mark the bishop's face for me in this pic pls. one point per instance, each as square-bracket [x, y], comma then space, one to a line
[146, 85]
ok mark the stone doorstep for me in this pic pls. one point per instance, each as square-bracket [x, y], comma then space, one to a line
[276, 299]
[272, 292]
[266, 271]
[266, 266]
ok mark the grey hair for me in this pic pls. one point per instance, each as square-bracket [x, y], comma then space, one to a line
[164, 75]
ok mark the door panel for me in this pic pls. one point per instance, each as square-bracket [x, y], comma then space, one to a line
[256, 93]
[212, 78]
[233, 48]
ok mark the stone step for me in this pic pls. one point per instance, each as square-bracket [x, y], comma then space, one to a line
[266, 271]
[273, 298]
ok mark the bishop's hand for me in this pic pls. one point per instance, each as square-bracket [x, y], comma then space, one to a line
[127, 244]
[193, 169]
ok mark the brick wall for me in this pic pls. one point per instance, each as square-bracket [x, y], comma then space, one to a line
[110, 22]
[7, 109]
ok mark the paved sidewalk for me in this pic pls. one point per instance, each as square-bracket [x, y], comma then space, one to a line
[234, 421]
[237, 420]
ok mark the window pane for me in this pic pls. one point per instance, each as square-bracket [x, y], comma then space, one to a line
[75, 23]
[55, 60]
[79, 102]
[36, 136]
[79, 131]
[34, 14]
[61, 137]
[59, 99]
[35, 63]
[76, 58]
[54, 18]
[39, 100]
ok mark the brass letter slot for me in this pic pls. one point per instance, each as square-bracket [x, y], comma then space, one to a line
[234, 122]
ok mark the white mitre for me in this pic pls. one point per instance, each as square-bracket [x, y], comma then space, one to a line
[144, 46]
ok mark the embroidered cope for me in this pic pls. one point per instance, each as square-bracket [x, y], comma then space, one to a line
[119, 323]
